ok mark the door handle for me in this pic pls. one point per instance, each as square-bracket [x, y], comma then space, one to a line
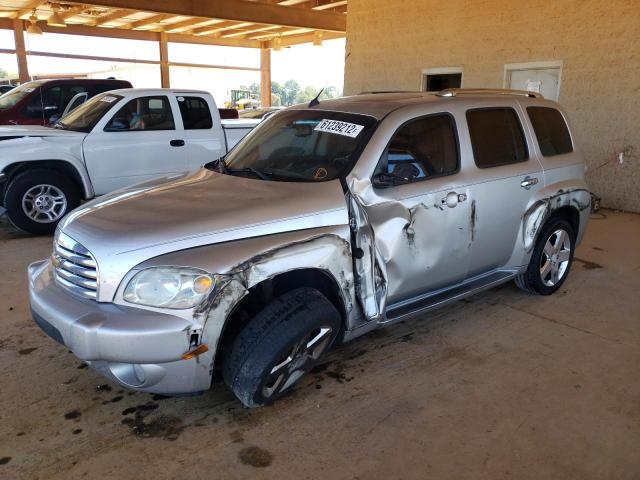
[452, 199]
[528, 182]
[177, 143]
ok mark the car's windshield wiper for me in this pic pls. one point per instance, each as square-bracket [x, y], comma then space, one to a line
[256, 173]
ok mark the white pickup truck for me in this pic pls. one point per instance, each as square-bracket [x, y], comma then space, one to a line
[112, 141]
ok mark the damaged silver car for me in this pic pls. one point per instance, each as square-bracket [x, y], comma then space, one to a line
[325, 222]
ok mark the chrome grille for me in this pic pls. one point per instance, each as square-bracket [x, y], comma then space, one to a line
[75, 267]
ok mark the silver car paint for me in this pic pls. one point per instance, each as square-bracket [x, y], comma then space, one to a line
[246, 231]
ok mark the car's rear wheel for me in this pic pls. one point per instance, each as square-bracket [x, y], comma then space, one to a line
[36, 200]
[282, 343]
[551, 259]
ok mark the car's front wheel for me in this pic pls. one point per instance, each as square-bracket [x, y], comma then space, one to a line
[282, 343]
[551, 259]
[36, 200]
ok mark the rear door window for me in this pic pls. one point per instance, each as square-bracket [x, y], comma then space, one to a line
[144, 113]
[551, 131]
[496, 137]
[195, 113]
[420, 149]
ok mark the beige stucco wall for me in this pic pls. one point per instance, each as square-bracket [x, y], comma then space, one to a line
[390, 42]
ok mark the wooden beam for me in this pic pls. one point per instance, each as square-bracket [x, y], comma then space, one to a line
[21, 52]
[72, 12]
[243, 33]
[217, 28]
[28, 8]
[146, 21]
[100, 58]
[328, 5]
[114, 15]
[265, 77]
[89, 31]
[164, 60]
[172, 27]
[238, 10]
[289, 40]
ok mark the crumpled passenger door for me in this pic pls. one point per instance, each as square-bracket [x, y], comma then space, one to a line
[412, 239]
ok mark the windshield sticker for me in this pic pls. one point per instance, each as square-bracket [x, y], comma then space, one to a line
[108, 99]
[340, 128]
[29, 90]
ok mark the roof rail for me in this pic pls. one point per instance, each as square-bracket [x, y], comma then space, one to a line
[380, 92]
[454, 92]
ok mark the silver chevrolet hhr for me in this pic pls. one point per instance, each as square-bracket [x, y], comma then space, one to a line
[325, 222]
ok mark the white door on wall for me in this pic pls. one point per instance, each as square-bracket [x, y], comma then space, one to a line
[534, 78]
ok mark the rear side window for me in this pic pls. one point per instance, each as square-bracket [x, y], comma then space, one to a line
[496, 137]
[419, 150]
[144, 113]
[551, 131]
[195, 113]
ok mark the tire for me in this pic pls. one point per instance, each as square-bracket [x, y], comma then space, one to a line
[48, 194]
[272, 352]
[540, 277]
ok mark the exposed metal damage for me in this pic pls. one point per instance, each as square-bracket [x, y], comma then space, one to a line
[535, 217]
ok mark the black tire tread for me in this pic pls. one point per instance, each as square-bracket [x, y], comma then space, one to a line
[256, 333]
[12, 198]
[529, 280]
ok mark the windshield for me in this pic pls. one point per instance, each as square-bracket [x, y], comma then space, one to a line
[14, 96]
[302, 145]
[85, 117]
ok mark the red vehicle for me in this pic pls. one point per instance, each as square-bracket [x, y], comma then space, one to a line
[43, 102]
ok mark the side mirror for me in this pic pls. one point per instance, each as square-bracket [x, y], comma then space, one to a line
[382, 180]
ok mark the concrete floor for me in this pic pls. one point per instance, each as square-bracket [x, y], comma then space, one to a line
[503, 385]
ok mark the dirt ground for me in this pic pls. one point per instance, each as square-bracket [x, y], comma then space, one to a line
[503, 385]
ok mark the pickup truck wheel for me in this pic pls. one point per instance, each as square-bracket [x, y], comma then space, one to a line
[36, 200]
[551, 259]
[282, 343]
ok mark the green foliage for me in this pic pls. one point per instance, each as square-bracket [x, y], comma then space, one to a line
[290, 93]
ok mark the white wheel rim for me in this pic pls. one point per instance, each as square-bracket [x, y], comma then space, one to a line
[555, 257]
[44, 203]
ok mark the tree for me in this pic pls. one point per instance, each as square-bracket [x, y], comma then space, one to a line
[254, 88]
[329, 92]
[290, 92]
[3, 73]
[306, 95]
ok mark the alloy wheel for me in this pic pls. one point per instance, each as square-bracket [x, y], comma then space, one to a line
[44, 203]
[300, 359]
[554, 261]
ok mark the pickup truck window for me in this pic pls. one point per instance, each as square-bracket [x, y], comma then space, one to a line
[87, 115]
[144, 113]
[420, 149]
[551, 131]
[302, 145]
[16, 95]
[195, 113]
[496, 137]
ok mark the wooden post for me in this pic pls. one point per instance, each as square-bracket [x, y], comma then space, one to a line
[164, 60]
[265, 77]
[21, 51]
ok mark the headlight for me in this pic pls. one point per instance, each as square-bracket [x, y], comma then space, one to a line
[169, 287]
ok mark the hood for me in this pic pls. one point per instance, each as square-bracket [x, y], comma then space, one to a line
[21, 131]
[132, 225]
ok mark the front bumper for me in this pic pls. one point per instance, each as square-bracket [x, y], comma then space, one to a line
[136, 348]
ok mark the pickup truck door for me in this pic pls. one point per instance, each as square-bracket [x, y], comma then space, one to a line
[138, 142]
[202, 133]
[507, 174]
[416, 211]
